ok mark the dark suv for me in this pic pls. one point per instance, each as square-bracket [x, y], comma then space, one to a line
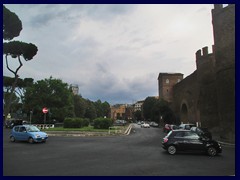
[186, 126]
[186, 140]
[202, 132]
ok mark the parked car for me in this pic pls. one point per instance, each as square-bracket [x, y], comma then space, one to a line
[187, 140]
[186, 126]
[154, 124]
[202, 132]
[145, 125]
[169, 127]
[119, 122]
[13, 122]
[139, 123]
[28, 133]
[166, 128]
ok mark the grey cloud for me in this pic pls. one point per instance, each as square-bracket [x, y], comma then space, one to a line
[114, 89]
[42, 20]
[108, 11]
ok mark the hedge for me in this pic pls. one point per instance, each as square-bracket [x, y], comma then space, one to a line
[75, 122]
[102, 123]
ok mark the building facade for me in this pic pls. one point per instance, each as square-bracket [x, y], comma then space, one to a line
[122, 111]
[74, 88]
[138, 106]
[166, 81]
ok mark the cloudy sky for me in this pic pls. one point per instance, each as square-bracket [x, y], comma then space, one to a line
[113, 52]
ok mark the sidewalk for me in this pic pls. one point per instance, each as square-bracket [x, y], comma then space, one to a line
[222, 142]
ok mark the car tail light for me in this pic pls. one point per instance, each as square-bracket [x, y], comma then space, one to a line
[165, 140]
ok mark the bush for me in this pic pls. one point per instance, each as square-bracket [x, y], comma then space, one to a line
[85, 122]
[102, 123]
[75, 122]
[67, 122]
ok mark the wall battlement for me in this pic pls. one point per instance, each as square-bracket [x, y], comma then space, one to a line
[219, 7]
[203, 53]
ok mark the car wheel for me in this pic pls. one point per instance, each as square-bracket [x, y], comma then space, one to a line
[30, 140]
[12, 139]
[172, 150]
[212, 151]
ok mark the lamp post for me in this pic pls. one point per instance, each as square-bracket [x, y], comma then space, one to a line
[31, 117]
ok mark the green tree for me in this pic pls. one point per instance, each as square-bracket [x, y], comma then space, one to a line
[99, 108]
[53, 94]
[19, 93]
[102, 109]
[90, 110]
[106, 109]
[12, 27]
[148, 106]
[161, 109]
[138, 115]
[80, 106]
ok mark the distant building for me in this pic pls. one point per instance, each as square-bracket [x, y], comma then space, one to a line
[138, 106]
[122, 111]
[74, 88]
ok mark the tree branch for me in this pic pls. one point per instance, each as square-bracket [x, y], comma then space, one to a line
[8, 66]
[20, 62]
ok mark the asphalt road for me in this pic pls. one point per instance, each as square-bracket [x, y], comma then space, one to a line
[138, 154]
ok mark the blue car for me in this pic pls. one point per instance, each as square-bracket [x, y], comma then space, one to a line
[28, 133]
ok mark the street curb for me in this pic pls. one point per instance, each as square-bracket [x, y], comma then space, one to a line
[225, 143]
[128, 130]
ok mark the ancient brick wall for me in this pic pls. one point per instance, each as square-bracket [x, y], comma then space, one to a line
[207, 96]
[223, 20]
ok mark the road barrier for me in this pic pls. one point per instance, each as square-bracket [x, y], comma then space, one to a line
[44, 126]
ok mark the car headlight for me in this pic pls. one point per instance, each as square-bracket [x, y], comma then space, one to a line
[37, 135]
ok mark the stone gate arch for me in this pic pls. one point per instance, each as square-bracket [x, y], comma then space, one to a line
[184, 112]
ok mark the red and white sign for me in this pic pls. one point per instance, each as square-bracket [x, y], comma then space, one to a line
[45, 110]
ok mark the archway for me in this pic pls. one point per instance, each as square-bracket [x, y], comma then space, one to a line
[184, 113]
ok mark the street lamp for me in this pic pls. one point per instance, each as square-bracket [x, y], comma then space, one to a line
[31, 116]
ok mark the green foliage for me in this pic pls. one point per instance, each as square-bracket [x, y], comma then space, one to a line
[147, 107]
[18, 48]
[102, 123]
[154, 108]
[12, 25]
[90, 110]
[67, 123]
[85, 122]
[161, 108]
[53, 94]
[138, 115]
[75, 123]
[79, 106]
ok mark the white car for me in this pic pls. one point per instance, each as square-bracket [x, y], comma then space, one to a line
[145, 125]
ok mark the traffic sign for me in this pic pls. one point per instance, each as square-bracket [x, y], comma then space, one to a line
[45, 110]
